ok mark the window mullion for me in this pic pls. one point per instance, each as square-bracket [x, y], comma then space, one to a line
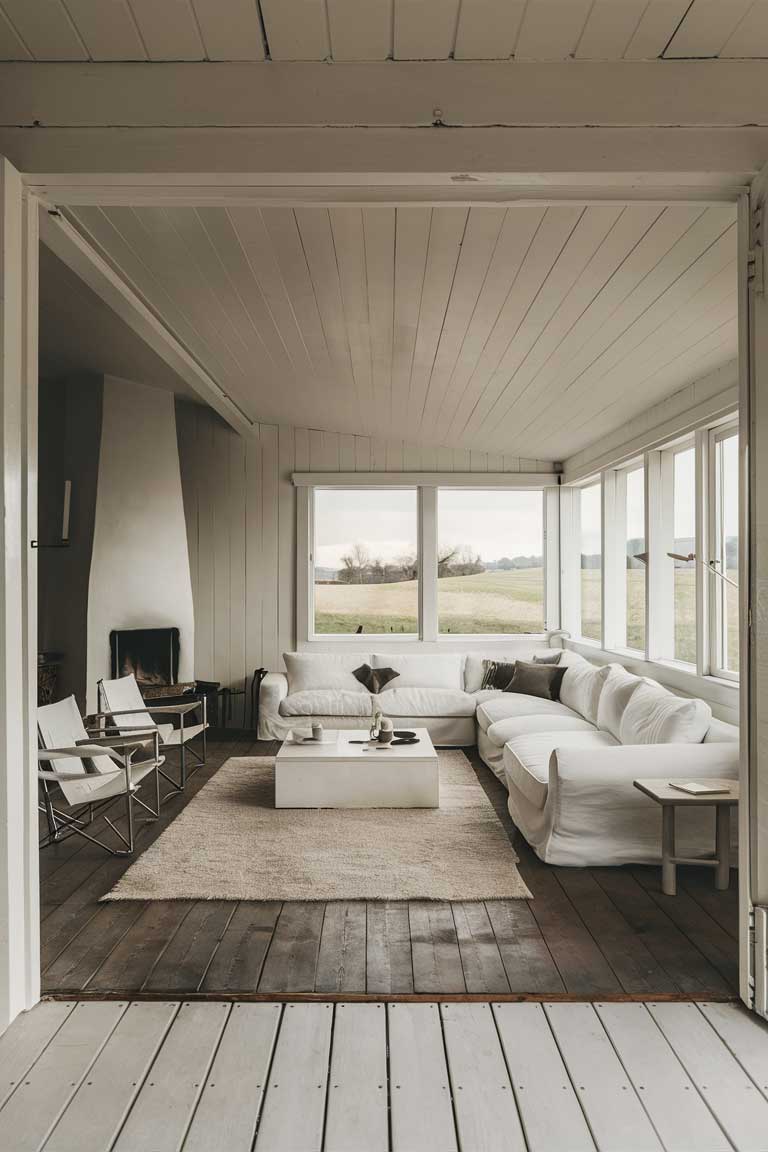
[428, 563]
[659, 541]
[704, 526]
[614, 583]
[570, 561]
[305, 566]
[552, 598]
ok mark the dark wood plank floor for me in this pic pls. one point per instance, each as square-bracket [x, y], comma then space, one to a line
[595, 933]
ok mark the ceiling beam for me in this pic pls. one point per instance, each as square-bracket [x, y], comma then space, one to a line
[67, 243]
[384, 166]
[573, 93]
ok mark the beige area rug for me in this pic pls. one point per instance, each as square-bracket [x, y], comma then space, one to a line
[231, 843]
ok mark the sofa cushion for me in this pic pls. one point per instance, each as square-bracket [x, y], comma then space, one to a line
[322, 670]
[417, 701]
[438, 670]
[326, 702]
[513, 726]
[526, 759]
[655, 716]
[486, 694]
[510, 704]
[582, 684]
[617, 690]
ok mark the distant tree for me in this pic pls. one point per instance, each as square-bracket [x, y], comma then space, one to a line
[355, 564]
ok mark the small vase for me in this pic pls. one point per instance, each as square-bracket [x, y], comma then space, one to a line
[386, 730]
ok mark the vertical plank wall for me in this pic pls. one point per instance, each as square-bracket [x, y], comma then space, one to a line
[240, 508]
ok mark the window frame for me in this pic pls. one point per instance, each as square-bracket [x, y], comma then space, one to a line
[426, 487]
[352, 637]
[716, 588]
[658, 462]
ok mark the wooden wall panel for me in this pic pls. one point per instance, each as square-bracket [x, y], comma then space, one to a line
[240, 508]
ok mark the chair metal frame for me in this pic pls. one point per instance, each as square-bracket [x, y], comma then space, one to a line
[181, 710]
[62, 825]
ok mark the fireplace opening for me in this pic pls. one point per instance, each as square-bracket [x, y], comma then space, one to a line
[151, 654]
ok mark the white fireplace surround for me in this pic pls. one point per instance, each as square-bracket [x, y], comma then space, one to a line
[140, 575]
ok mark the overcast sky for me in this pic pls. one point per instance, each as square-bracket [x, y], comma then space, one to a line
[495, 524]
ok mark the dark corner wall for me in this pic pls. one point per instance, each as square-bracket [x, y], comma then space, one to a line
[70, 415]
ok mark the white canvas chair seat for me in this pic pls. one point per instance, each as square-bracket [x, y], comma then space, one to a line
[171, 737]
[125, 708]
[92, 774]
[93, 787]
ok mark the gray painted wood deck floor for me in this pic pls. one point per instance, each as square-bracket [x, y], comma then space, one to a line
[139, 1076]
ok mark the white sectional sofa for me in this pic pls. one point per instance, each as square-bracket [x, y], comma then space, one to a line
[568, 765]
[432, 691]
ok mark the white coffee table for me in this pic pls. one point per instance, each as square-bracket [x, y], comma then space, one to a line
[341, 774]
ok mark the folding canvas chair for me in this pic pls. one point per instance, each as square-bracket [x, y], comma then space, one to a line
[121, 703]
[91, 772]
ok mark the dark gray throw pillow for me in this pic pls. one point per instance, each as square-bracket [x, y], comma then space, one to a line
[374, 679]
[549, 658]
[542, 680]
[497, 673]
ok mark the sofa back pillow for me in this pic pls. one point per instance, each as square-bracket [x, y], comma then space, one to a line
[616, 693]
[655, 716]
[441, 670]
[477, 667]
[582, 685]
[310, 671]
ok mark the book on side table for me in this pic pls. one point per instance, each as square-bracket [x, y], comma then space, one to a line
[694, 788]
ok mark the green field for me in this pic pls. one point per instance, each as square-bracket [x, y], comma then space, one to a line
[506, 602]
[685, 612]
[488, 602]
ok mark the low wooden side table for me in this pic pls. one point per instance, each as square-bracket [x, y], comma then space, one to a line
[670, 798]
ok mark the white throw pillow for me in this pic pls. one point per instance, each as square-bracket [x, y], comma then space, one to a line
[582, 684]
[317, 671]
[441, 670]
[655, 716]
[617, 690]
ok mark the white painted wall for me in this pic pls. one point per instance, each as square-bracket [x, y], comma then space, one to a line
[140, 573]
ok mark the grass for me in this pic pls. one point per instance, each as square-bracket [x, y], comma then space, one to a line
[489, 602]
[685, 612]
[508, 602]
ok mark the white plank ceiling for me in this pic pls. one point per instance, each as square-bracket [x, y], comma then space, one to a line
[381, 29]
[528, 330]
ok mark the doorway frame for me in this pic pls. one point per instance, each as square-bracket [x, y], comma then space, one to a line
[24, 198]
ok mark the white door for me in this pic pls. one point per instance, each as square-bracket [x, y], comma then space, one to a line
[753, 582]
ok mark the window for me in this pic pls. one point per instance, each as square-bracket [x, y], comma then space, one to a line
[366, 561]
[684, 530]
[490, 561]
[591, 561]
[661, 575]
[725, 562]
[636, 561]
